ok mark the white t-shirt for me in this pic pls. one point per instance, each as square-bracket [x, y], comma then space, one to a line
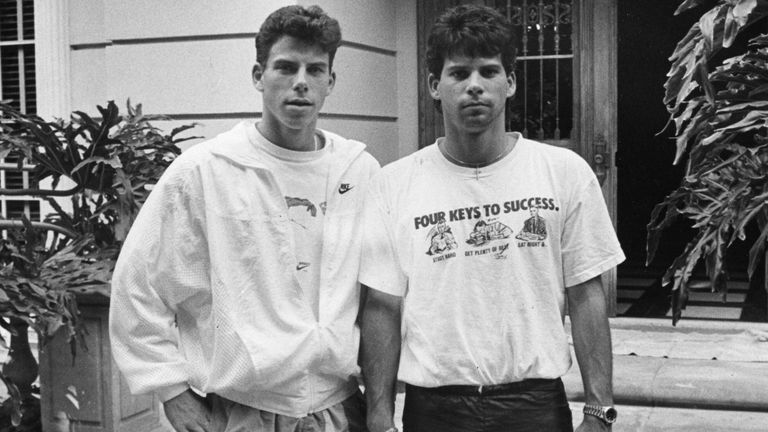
[482, 259]
[303, 178]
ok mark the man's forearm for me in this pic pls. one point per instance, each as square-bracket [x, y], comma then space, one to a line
[592, 340]
[380, 349]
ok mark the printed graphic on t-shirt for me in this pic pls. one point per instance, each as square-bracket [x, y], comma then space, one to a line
[301, 202]
[441, 239]
[485, 232]
[488, 225]
[299, 218]
[534, 228]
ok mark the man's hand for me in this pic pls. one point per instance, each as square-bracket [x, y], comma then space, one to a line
[379, 422]
[593, 424]
[188, 412]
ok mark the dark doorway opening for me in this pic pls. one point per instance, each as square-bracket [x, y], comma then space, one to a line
[648, 32]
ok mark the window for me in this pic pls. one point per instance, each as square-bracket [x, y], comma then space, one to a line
[17, 87]
[17, 53]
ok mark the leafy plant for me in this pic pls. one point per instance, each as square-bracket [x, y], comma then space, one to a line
[720, 112]
[105, 168]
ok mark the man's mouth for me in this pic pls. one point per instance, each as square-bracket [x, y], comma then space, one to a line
[474, 104]
[298, 102]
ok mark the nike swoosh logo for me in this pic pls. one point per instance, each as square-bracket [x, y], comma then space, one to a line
[345, 187]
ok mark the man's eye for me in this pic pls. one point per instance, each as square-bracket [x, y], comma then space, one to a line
[459, 74]
[284, 68]
[490, 73]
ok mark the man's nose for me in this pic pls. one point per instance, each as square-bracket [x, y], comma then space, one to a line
[474, 84]
[300, 83]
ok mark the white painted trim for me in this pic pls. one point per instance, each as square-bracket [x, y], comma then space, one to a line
[52, 58]
[407, 88]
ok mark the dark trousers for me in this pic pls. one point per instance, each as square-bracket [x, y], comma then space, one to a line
[536, 405]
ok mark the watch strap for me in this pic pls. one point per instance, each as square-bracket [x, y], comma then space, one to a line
[604, 413]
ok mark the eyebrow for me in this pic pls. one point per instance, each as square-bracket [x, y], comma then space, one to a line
[482, 66]
[289, 61]
[456, 67]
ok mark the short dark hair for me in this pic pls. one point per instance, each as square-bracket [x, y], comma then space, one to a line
[310, 25]
[471, 30]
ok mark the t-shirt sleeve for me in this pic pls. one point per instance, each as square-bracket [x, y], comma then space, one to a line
[589, 243]
[380, 267]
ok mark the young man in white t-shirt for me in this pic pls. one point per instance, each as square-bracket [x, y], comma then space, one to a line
[474, 327]
[238, 280]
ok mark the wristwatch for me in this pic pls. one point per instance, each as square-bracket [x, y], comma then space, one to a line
[393, 429]
[607, 414]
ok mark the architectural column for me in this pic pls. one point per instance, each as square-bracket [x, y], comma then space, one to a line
[52, 58]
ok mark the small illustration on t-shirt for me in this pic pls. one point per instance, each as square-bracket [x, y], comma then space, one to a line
[485, 232]
[441, 238]
[304, 220]
[534, 228]
[301, 202]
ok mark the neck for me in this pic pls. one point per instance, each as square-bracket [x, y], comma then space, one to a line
[476, 149]
[291, 139]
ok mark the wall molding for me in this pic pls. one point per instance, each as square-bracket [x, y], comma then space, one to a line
[204, 38]
[255, 115]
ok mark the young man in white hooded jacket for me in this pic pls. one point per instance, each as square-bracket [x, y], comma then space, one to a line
[235, 296]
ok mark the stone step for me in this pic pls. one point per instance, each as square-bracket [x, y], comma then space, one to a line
[682, 383]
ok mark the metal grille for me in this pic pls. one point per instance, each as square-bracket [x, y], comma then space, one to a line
[543, 105]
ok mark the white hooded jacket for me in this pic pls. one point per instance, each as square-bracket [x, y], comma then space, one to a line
[204, 293]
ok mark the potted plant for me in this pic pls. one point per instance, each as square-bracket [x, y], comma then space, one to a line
[103, 169]
[717, 98]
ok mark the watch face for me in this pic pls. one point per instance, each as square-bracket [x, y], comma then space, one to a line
[610, 415]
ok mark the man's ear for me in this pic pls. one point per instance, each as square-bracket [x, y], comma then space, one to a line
[432, 82]
[256, 74]
[331, 82]
[512, 82]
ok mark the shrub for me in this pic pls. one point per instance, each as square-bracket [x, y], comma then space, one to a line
[105, 168]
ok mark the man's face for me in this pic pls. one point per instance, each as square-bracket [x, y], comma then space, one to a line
[441, 227]
[473, 91]
[534, 211]
[294, 83]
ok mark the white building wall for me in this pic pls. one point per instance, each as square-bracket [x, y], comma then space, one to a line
[191, 60]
